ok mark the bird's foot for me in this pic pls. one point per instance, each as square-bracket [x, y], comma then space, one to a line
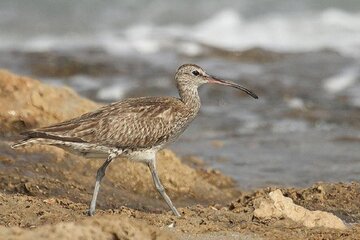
[91, 212]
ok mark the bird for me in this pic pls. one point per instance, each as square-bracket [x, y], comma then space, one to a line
[136, 128]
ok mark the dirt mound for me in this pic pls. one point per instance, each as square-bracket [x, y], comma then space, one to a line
[235, 221]
[27, 103]
[44, 172]
[106, 227]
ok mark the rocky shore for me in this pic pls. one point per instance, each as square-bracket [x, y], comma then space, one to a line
[45, 191]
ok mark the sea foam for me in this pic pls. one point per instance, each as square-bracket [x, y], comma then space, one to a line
[228, 29]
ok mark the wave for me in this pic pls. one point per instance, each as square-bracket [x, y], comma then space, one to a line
[330, 28]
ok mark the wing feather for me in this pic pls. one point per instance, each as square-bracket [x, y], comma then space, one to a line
[132, 123]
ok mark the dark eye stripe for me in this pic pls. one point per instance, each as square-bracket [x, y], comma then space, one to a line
[196, 73]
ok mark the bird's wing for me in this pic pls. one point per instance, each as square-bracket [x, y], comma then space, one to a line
[132, 123]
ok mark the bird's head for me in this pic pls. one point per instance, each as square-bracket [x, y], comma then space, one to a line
[193, 76]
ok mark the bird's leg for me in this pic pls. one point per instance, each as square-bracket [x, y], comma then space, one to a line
[159, 186]
[99, 176]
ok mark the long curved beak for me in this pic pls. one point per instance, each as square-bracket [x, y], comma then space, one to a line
[215, 80]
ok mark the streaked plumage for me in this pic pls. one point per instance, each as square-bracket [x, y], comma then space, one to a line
[136, 127]
[135, 123]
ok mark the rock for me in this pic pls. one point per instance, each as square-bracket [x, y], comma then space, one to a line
[91, 61]
[256, 55]
[27, 103]
[280, 207]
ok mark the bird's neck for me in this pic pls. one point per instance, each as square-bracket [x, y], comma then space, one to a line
[190, 97]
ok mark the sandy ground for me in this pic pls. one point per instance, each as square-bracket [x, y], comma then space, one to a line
[45, 191]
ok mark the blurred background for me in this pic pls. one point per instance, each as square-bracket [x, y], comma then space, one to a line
[301, 57]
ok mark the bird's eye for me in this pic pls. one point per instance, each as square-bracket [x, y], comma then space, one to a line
[195, 73]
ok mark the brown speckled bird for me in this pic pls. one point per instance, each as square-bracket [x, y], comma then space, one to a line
[135, 127]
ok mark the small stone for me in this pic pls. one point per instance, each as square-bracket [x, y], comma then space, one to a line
[171, 225]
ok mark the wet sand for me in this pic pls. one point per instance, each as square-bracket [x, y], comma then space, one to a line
[45, 191]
